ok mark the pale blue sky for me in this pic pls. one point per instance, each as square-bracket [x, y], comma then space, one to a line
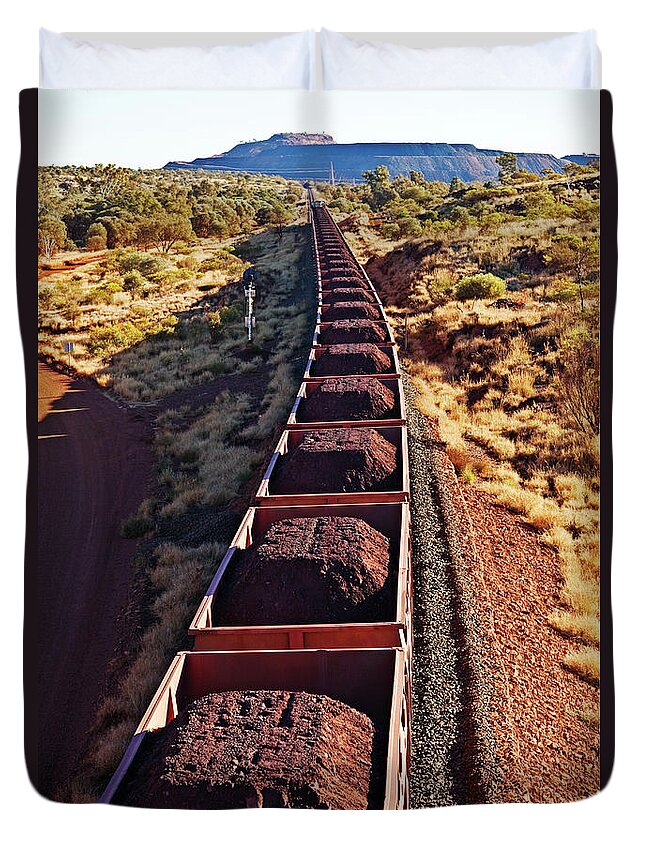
[145, 129]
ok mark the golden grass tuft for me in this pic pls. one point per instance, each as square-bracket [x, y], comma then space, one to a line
[584, 662]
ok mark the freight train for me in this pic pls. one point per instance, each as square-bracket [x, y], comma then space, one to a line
[312, 599]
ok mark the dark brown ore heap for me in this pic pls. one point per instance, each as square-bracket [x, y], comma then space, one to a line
[347, 399]
[351, 311]
[257, 748]
[333, 280]
[350, 292]
[353, 331]
[345, 359]
[307, 571]
[336, 460]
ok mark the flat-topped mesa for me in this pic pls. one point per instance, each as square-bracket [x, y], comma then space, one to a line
[302, 138]
[354, 310]
[336, 460]
[350, 398]
[317, 157]
[306, 571]
[348, 359]
[257, 749]
[353, 331]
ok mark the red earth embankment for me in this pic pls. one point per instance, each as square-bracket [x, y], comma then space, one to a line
[94, 464]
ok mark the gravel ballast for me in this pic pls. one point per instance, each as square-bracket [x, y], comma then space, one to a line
[452, 754]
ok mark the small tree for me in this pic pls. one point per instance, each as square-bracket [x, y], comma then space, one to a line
[163, 231]
[507, 167]
[577, 257]
[96, 237]
[480, 286]
[380, 187]
[457, 185]
[279, 217]
[52, 235]
[579, 383]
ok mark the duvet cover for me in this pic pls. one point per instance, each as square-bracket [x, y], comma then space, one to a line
[316, 383]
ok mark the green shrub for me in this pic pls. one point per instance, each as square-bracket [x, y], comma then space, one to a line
[136, 526]
[104, 293]
[391, 231]
[410, 227]
[147, 265]
[480, 286]
[133, 281]
[230, 314]
[108, 339]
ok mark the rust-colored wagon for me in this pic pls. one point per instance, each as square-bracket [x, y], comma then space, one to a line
[374, 681]
[390, 519]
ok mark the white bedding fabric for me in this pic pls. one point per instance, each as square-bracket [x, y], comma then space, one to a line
[289, 62]
[565, 62]
[285, 62]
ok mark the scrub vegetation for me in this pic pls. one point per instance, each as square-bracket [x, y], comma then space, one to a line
[495, 288]
[146, 283]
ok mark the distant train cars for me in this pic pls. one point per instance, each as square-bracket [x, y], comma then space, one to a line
[305, 631]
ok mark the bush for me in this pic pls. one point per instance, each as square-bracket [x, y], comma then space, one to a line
[104, 293]
[410, 227]
[230, 314]
[108, 339]
[146, 265]
[391, 231]
[136, 526]
[133, 281]
[480, 286]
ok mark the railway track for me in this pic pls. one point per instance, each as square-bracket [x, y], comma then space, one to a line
[341, 468]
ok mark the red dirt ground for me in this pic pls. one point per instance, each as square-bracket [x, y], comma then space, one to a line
[546, 743]
[94, 461]
[258, 749]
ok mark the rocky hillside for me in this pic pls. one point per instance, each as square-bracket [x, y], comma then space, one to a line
[303, 156]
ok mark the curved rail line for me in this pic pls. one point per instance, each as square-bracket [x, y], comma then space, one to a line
[365, 664]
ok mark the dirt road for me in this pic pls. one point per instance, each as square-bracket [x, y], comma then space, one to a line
[94, 464]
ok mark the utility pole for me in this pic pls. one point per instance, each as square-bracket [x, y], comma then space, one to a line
[249, 278]
[332, 179]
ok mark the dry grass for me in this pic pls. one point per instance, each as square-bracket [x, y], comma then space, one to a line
[204, 458]
[497, 409]
[585, 663]
[202, 461]
[178, 577]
